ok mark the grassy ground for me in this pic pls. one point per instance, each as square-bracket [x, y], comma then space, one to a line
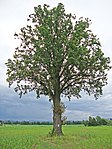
[36, 137]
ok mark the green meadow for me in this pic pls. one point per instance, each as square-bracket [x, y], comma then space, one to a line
[37, 137]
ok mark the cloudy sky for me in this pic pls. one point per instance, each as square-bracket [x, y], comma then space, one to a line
[13, 16]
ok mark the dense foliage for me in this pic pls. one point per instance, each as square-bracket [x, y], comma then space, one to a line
[57, 48]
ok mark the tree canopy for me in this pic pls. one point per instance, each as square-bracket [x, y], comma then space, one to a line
[58, 55]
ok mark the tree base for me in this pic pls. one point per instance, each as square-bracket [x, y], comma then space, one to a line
[57, 132]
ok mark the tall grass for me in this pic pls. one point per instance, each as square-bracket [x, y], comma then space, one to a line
[36, 137]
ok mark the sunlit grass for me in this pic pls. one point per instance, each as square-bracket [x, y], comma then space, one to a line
[37, 137]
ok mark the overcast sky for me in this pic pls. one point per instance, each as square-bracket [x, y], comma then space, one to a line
[13, 16]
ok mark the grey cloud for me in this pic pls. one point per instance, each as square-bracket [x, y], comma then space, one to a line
[26, 108]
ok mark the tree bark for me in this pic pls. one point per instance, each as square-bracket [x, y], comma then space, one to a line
[57, 123]
[57, 108]
[57, 115]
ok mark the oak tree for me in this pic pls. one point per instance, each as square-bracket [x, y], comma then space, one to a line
[58, 56]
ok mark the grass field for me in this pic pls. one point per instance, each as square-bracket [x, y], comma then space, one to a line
[36, 137]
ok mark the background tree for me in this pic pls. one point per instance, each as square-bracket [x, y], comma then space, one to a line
[99, 120]
[94, 122]
[58, 55]
[90, 122]
[1, 123]
[104, 121]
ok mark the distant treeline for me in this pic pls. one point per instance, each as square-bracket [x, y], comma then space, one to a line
[27, 122]
[38, 122]
[92, 121]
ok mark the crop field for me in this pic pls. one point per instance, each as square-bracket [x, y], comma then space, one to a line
[37, 137]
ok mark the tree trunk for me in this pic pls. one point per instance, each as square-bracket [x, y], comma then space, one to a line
[57, 109]
[57, 115]
[57, 123]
